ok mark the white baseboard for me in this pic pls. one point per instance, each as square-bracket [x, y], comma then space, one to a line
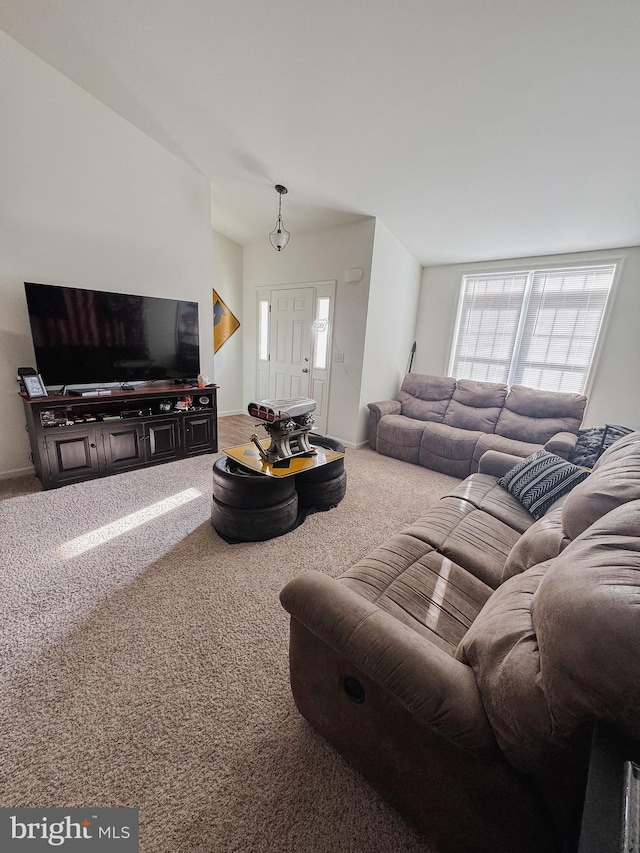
[350, 444]
[17, 472]
[234, 412]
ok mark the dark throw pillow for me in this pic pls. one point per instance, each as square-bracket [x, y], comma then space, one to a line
[540, 479]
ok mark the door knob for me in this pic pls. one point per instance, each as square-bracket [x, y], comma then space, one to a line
[305, 369]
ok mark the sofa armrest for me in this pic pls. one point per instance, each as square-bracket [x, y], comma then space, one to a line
[376, 411]
[497, 463]
[438, 690]
[562, 443]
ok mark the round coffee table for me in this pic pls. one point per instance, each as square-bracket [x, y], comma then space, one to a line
[248, 506]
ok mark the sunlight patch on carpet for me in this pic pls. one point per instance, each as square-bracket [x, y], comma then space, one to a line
[77, 546]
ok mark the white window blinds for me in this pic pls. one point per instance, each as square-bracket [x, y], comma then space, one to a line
[487, 326]
[538, 328]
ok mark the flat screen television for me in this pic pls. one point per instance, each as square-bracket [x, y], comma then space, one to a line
[94, 337]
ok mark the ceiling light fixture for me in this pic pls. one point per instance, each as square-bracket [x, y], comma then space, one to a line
[279, 237]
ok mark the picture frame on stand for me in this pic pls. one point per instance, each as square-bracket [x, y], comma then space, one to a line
[34, 386]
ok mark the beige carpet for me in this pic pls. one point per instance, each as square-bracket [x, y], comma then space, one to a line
[145, 661]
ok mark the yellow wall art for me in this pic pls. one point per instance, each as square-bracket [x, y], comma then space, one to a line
[225, 322]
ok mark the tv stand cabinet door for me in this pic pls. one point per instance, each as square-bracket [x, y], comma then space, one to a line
[124, 446]
[200, 434]
[71, 457]
[162, 440]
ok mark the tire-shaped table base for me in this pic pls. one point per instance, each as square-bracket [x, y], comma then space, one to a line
[235, 485]
[252, 507]
[254, 524]
[323, 487]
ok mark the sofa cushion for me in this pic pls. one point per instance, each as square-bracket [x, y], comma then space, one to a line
[543, 540]
[540, 479]
[476, 405]
[470, 537]
[426, 397]
[534, 416]
[491, 441]
[483, 492]
[400, 437]
[448, 449]
[436, 524]
[423, 589]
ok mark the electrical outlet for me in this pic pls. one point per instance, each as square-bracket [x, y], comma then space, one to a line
[338, 356]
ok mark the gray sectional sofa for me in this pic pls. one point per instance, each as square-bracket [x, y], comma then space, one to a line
[447, 425]
[462, 664]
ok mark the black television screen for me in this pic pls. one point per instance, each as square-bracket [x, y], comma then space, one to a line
[91, 336]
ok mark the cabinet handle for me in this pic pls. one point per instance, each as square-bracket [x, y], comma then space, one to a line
[92, 445]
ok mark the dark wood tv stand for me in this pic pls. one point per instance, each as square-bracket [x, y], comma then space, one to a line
[81, 438]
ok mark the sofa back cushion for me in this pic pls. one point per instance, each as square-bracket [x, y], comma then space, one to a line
[614, 480]
[476, 405]
[542, 541]
[424, 397]
[532, 415]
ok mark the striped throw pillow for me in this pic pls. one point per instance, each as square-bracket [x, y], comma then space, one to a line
[540, 479]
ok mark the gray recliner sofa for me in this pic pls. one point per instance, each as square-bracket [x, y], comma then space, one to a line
[447, 425]
[461, 665]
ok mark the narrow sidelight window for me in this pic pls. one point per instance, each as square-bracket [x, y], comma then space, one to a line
[263, 329]
[321, 329]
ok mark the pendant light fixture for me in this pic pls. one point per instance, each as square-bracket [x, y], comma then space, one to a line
[279, 237]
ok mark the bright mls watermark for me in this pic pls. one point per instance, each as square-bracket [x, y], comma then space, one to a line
[86, 830]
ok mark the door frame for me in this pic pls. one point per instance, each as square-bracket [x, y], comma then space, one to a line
[261, 376]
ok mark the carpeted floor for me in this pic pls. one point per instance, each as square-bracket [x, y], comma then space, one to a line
[144, 661]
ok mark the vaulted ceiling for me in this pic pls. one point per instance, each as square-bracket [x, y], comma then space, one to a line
[474, 129]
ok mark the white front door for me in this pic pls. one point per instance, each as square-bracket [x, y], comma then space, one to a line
[290, 342]
[294, 335]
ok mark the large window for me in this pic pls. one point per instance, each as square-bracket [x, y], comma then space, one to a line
[537, 328]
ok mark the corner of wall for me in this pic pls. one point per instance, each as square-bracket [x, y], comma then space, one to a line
[228, 284]
[392, 310]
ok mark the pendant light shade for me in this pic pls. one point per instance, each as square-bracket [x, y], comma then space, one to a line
[279, 237]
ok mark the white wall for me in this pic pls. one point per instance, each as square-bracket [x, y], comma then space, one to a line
[227, 281]
[86, 200]
[614, 396]
[321, 256]
[394, 293]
